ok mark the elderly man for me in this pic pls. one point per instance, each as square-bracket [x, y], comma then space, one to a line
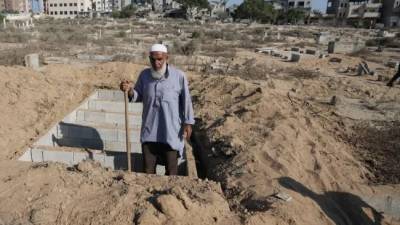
[167, 117]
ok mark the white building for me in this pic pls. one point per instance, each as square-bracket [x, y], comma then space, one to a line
[68, 8]
[103, 5]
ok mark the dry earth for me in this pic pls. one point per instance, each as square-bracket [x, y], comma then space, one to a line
[279, 133]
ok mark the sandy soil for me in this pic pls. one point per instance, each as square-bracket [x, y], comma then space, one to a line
[263, 137]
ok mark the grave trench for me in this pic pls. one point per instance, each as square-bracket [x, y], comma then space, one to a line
[96, 130]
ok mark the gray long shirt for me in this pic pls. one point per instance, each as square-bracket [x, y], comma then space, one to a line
[167, 106]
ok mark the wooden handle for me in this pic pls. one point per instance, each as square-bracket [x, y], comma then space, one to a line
[128, 143]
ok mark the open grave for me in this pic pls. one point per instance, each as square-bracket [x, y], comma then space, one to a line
[96, 130]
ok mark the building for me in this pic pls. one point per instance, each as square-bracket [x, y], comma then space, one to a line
[37, 6]
[68, 8]
[2, 5]
[356, 12]
[303, 4]
[20, 6]
[103, 5]
[289, 4]
[391, 13]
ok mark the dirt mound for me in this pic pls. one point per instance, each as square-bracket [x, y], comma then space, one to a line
[265, 139]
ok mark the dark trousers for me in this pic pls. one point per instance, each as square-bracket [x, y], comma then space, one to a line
[395, 77]
[159, 153]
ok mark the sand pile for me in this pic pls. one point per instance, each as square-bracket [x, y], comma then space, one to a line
[264, 139]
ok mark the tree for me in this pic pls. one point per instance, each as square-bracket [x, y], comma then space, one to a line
[257, 10]
[295, 15]
[189, 4]
[192, 7]
[126, 12]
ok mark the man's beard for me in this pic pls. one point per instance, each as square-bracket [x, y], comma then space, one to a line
[158, 74]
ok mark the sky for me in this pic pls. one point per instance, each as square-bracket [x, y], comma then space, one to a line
[315, 4]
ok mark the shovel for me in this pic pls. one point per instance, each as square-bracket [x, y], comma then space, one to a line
[128, 143]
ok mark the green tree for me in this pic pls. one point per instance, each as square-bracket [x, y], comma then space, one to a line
[257, 10]
[295, 15]
[126, 12]
[189, 4]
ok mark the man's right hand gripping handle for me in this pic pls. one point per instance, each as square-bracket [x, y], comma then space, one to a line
[126, 85]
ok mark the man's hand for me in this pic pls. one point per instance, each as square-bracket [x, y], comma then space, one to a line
[125, 85]
[187, 131]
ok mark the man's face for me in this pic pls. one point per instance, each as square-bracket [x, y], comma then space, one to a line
[157, 59]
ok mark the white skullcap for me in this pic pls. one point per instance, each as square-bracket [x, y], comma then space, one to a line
[158, 48]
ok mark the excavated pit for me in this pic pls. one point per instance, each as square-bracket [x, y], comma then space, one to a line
[96, 130]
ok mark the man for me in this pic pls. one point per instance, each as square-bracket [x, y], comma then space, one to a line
[167, 111]
[394, 78]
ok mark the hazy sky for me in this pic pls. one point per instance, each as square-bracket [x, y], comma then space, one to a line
[316, 4]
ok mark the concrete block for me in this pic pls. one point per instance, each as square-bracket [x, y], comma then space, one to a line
[70, 118]
[36, 155]
[99, 158]
[134, 135]
[111, 106]
[27, 156]
[108, 134]
[295, 57]
[76, 131]
[95, 116]
[331, 47]
[79, 157]
[109, 162]
[58, 156]
[80, 115]
[105, 94]
[119, 146]
[311, 52]
[80, 143]
[119, 118]
[46, 139]
[160, 170]
[32, 61]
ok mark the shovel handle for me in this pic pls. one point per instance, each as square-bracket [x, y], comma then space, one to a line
[128, 143]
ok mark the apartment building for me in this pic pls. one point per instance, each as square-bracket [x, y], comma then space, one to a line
[391, 13]
[103, 5]
[288, 4]
[68, 8]
[355, 11]
[20, 6]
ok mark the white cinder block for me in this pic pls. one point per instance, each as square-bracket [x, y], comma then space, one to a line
[26, 156]
[37, 155]
[79, 157]
[95, 117]
[108, 134]
[58, 156]
[134, 135]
